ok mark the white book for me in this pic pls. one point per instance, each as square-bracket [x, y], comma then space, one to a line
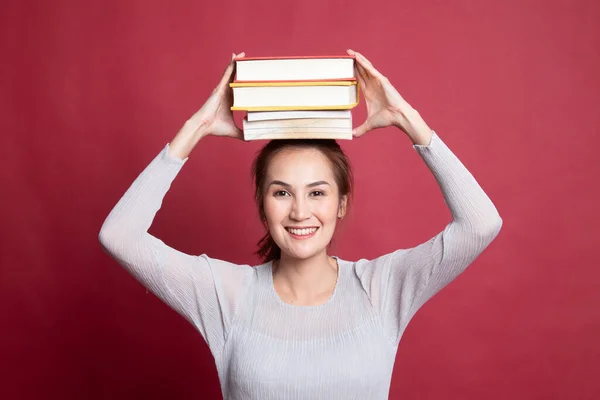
[294, 68]
[331, 128]
[303, 123]
[270, 115]
[295, 96]
[299, 135]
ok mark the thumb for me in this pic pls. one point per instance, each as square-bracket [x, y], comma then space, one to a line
[361, 130]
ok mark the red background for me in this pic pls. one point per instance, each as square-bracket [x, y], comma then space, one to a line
[92, 91]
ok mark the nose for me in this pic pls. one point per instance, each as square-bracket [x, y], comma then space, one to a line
[300, 209]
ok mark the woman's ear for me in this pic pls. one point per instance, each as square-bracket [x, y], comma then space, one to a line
[343, 206]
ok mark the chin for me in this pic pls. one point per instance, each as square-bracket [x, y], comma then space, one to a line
[301, 255]
[302, 252]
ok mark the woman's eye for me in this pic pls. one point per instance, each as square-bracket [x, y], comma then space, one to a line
[280, 193]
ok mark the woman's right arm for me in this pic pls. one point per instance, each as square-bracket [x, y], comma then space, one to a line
[201, 289]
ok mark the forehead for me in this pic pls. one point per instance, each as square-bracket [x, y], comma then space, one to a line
[300, 165]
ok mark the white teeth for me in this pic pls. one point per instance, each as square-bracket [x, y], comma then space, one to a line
[302, 232]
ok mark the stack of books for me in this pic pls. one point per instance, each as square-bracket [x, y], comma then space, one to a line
[296, 97]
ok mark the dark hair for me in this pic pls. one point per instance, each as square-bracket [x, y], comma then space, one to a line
[342, 172]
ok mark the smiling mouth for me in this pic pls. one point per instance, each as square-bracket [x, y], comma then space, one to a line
[302, 232]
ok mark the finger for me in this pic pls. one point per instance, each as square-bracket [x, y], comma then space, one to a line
[229, 71]
[361, 70]
[361, 130]
[366, 64]
[227, 74]
[360, 76]
[365, 59]
[360, 73]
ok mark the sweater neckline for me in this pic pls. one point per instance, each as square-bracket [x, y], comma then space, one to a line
[340, 270]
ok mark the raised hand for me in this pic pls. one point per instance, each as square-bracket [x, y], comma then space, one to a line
[385, 106]
[215, 117]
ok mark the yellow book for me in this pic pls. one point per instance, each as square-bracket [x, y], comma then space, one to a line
[341, 94]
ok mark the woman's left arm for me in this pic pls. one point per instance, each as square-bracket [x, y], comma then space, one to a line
[399, 283]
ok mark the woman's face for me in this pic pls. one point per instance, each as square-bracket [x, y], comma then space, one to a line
[301, 202]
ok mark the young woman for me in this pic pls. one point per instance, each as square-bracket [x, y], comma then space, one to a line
[303, 324]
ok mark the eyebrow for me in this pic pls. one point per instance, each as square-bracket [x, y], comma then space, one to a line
[287, 185]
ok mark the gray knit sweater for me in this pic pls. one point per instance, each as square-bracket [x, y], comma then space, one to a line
[267, 349]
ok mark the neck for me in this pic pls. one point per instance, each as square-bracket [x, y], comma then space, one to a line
[305, 278]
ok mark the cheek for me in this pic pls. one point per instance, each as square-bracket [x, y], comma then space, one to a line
[327, 211]
[274, 210]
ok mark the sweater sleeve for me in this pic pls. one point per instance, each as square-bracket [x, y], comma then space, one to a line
[399, 283]
[203, 290]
